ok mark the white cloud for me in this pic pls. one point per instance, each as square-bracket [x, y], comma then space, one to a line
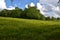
[26, 6]
[3, 5]
[40, 7]
[10, 8]
[49, 7]
[32, 4]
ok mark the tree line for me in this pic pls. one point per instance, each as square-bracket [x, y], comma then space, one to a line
[27, 13]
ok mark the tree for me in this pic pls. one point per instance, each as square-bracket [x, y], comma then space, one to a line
[58, 18]
[53, 18]
[48, 18]
[32, 13]
[11, 13]
[16, 13]
[3, 12]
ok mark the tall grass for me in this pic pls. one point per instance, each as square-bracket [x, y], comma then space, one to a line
[26, 29]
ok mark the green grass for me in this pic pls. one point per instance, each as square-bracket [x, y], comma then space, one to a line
[28, 29]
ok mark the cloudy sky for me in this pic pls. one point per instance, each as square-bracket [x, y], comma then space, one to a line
[47, 7]
[50, 7]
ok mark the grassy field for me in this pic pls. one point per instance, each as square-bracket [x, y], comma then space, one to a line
[28, 29]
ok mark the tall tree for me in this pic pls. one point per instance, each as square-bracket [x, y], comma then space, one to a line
[32, 13]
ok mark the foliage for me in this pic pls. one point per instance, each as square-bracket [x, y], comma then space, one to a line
[11, 13]
[58, 18]
[32, 13]
[29, 13]
[17, 12]
[47, 18]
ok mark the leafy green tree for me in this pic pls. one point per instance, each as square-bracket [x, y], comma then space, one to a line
[23, 15]
[53, 18]
[11, 13]
[58, 18]
[16, 13]
[3, 12]
[47, 18]
[32, 13]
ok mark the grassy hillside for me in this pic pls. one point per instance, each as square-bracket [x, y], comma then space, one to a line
[26, 29]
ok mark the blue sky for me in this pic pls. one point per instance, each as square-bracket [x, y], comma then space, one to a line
[20, 3]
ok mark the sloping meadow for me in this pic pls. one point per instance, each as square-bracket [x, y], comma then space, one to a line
[28, 29]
